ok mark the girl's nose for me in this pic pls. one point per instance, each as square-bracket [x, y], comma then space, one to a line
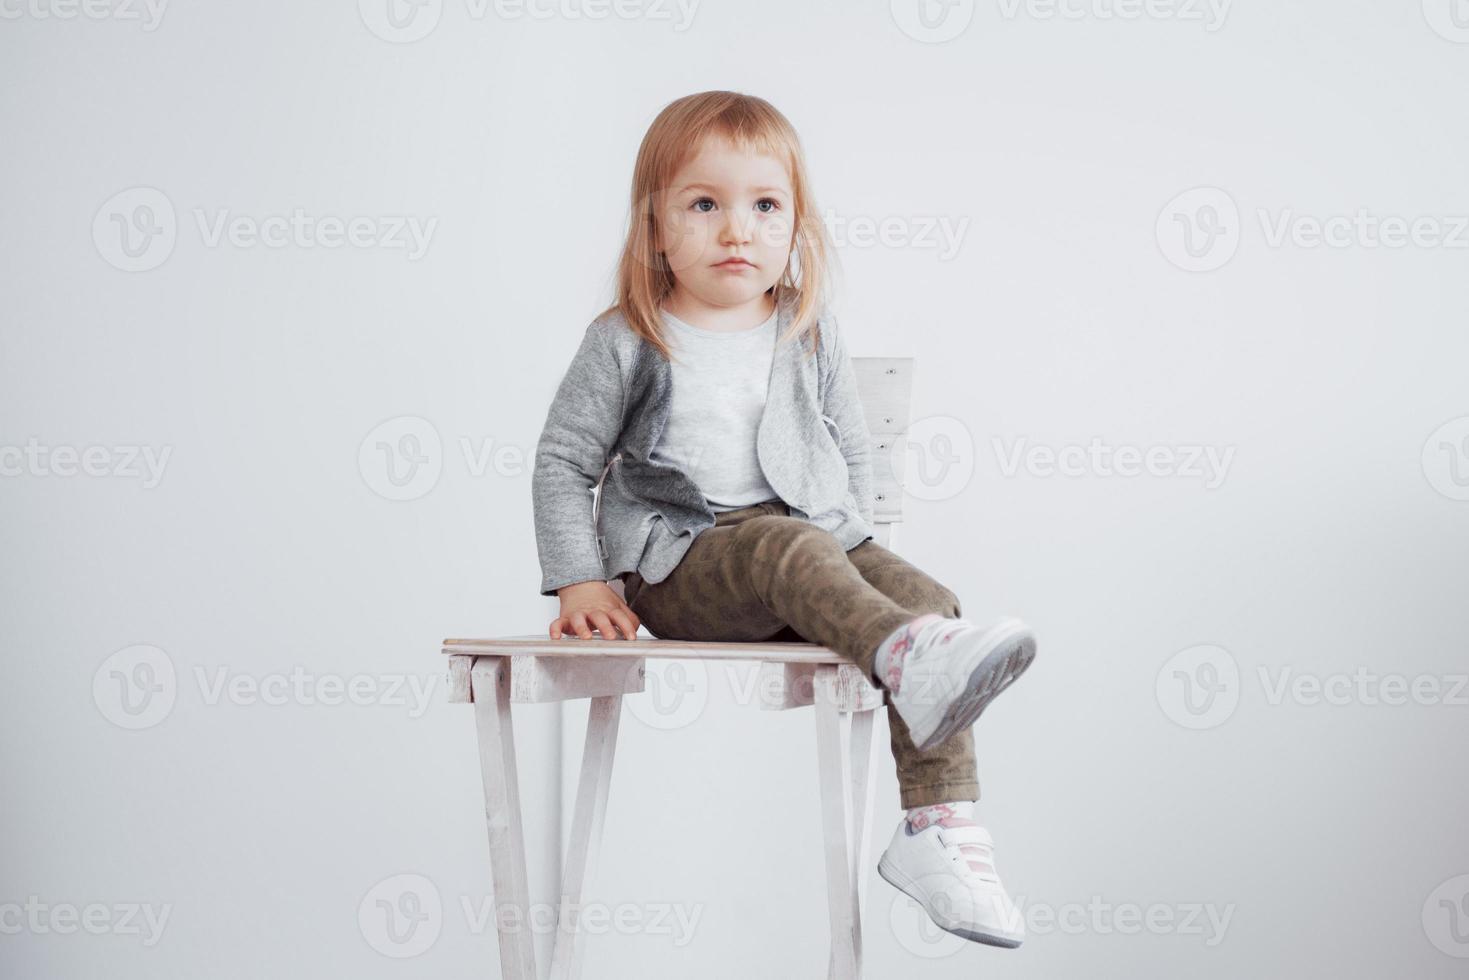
[736, 230]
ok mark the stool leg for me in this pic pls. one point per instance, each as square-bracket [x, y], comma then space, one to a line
[490, 677]
[861, 764]
[586, 832]
[835, 790]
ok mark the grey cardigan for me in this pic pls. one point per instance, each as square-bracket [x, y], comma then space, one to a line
[606, 416]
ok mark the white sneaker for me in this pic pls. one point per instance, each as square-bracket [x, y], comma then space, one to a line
[953, 670]
[948, 867]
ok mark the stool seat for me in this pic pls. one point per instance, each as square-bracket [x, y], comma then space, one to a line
[643, 645]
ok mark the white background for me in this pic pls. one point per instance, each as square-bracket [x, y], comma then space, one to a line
[1057, 138]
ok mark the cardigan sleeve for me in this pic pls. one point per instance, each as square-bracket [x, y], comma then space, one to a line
[581, 427]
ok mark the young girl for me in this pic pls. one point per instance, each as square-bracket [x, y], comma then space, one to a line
[715, 407]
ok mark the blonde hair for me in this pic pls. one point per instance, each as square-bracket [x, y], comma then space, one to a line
[753, 125]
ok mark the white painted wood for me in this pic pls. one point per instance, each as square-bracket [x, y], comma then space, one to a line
[860, 763]
[541, 679]
[586, 831]
[542, 646]
[459, 690]
[885, 385]
[835, 787]
[783, 686]
[490, 677]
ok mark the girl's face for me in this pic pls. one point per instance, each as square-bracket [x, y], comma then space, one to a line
[726, 204]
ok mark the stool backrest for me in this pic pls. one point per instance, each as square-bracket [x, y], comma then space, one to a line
[885, 385]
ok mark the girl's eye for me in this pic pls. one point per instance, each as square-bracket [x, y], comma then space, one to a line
[702, 200]
[774, 204]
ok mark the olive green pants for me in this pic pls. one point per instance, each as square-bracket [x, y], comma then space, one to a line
[761, 574]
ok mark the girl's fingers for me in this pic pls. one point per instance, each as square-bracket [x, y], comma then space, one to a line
[603, 624]
[579, 624]
[623, 619]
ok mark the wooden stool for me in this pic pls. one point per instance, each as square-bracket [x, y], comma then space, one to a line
[494, 673]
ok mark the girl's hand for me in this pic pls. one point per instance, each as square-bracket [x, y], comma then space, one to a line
[593, 605]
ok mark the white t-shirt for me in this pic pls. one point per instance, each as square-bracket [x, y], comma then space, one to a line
[720, 379]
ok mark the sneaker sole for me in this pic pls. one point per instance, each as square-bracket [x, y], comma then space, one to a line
[897, 879]
[1011, 646]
